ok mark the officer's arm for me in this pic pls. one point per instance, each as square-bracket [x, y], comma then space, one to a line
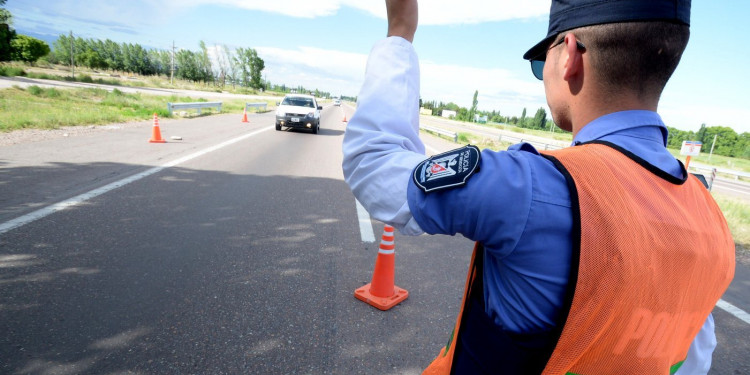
[402, 18]
[381, 145]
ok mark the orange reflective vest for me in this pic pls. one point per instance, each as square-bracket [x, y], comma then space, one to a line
[654, 255]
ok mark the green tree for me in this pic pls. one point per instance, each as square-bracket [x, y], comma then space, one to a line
[232, 66]
[62, 49]
[92, 59]
[726, 141]
[743, 146]
[540, 119]
[223, 65]
[462, 114]
[474, 103]
[28, 49]
[112, 54]
[250, 68]
[6, 33]
[701, 135]
[676, 136]
[242, 58]
[187, 65]
[204, 64]
[256, 70]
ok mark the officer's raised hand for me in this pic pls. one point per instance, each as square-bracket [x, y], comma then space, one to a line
[402, 18]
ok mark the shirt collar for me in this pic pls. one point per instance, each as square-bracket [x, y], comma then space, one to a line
[623, 121]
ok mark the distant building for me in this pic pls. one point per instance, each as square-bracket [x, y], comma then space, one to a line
[425, 111]
[448, 113]
[480, 119]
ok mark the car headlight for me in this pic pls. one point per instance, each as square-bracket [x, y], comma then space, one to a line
[311, 114]
[280, 114]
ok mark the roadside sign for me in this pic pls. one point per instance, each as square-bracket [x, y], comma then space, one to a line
[691, 148]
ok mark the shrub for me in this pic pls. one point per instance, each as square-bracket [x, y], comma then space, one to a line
[463, 138]
[34, 90]
[11, 71]
[52, 93]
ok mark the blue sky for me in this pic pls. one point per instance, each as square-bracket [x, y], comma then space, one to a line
[463, 46]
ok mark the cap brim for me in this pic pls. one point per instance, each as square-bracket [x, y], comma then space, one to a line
[539, 48]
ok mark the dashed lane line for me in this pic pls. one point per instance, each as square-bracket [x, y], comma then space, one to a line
[431, 149]
[78, 199]
[734, 310]
[365, 224]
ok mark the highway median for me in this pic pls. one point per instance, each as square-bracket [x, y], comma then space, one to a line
[37, 107]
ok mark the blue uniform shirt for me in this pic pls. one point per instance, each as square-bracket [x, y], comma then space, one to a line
[518, 207]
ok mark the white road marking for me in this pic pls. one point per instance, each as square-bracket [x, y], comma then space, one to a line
[78, 199]
[365, 225]
[734, 310]
[431, 149]
[730, 189]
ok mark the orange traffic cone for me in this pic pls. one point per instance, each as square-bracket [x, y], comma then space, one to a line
[156, 133]
[244, 115]
[381, 292]
[344, 120]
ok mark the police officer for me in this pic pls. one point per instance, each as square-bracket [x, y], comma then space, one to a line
[587, 261]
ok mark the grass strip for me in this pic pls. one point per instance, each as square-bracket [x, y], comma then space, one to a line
[50, 108]
[737, 213]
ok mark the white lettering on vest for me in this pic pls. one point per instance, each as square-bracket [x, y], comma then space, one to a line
[655, 333]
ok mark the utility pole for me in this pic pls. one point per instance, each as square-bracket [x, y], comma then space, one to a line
[72, 56]
[712, 147]
[171, 70]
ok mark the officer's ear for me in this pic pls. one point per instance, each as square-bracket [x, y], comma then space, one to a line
[573, 68]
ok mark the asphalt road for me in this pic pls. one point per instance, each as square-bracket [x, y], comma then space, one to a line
[732, 188]
[238, 251]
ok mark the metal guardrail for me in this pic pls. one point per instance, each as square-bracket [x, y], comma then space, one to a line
[737, 174]
[256, 105]
[197, 105]
[501, 138]
[549, 146]
[537, 144]
[439, 131]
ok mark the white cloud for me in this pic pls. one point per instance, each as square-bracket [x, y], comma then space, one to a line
[498, 89]
[315, 68]
[432, 12]
[343, 73]
[292, 8]
[451, 12]
[690, 116]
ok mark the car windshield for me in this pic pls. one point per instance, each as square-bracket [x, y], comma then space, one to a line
[299, 102]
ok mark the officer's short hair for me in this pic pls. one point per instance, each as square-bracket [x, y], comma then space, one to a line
[635, 56]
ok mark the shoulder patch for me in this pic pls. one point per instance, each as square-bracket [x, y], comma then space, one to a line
[447, 170]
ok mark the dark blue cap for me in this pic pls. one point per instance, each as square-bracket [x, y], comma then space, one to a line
[566, 15]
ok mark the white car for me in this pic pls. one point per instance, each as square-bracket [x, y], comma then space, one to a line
[299, 111]
[336, 102]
